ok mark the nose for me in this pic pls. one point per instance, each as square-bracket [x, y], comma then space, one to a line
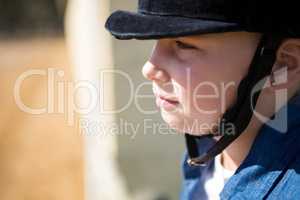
[154, 73]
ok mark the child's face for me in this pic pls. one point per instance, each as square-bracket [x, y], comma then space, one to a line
[201, 74]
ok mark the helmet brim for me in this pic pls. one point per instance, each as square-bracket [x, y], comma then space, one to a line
[129, 25]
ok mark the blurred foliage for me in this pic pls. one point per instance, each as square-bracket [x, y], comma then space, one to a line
[23, 17]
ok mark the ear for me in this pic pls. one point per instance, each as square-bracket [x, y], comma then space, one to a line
[288, 64]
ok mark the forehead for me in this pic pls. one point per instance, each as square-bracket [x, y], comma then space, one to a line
[219, 38]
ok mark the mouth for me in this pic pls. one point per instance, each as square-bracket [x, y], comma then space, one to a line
[168, 103]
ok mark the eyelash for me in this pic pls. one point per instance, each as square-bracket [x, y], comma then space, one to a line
[182, 45]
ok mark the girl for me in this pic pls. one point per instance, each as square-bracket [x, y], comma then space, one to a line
[226, 74]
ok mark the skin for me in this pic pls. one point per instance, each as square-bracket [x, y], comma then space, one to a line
[202, 74]
[193, 69]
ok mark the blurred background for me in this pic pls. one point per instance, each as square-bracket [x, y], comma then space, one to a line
[48, 149]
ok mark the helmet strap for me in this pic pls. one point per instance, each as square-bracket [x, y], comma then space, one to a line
[241, 113]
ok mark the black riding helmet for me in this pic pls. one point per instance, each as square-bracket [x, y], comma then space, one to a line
[175, 18]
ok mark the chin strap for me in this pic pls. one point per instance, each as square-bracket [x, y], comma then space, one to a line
[241, 113]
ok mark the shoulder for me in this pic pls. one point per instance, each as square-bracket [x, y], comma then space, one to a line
[288, 186]
[273, 164]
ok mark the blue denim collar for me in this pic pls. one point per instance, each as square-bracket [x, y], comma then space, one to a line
[269, 158]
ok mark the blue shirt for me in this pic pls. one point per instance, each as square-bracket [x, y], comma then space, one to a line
[271, 169]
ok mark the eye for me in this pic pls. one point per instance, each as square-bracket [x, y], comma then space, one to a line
[182, 45]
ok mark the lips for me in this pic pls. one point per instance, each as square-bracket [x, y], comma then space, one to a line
[166, 102]
[170, 99]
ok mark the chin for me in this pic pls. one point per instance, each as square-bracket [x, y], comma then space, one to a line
[184, 130]
[184, 126]
[173, 122]
[196, 132]
[204, 125]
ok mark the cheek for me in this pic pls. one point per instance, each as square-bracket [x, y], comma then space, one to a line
[204, 98]
[201, 89]
[203, 109]
[207, 99]
[207, 87]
